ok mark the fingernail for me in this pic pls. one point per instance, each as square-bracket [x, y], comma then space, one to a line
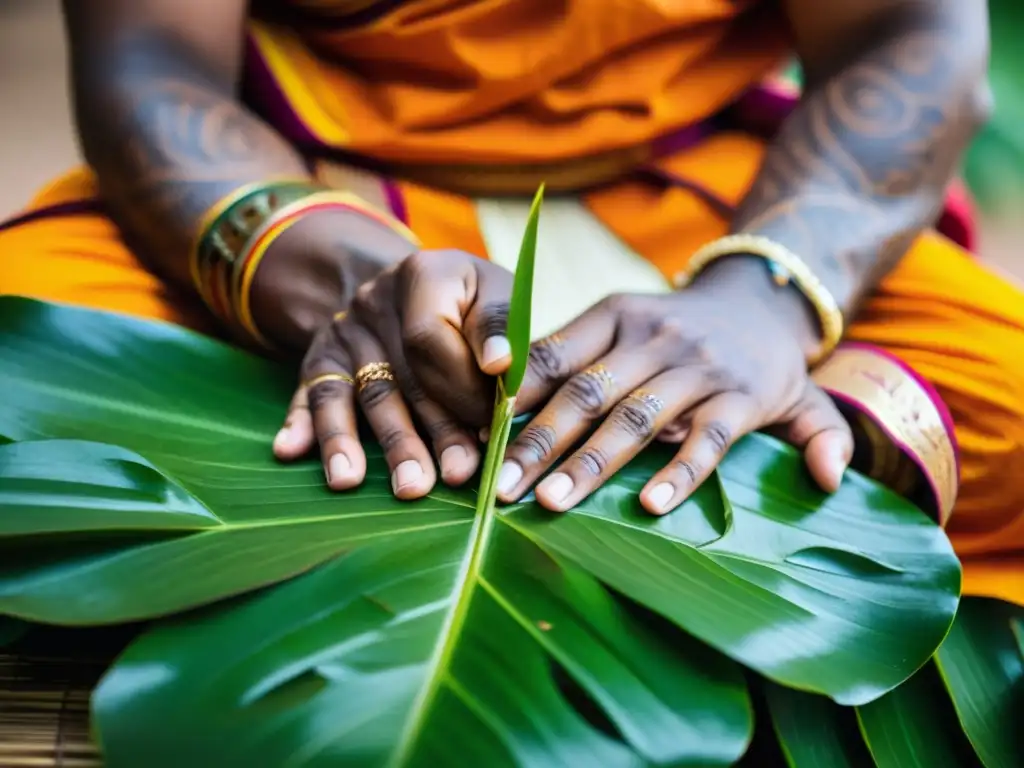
[557, 487]
[453, 460]
[496, 349]
[838, 461]
[405, 474]
[660, 496]
[282, 438]
[338, 466]
[508, 477]
[485, 434]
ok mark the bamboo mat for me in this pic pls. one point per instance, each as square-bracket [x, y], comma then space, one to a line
[44, 712]
[45, 682]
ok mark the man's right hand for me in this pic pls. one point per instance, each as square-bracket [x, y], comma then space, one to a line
[437, 320]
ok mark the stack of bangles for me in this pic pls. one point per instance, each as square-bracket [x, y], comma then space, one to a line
[236, 233]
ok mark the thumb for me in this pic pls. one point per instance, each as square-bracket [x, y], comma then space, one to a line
[486, 321]
[816, 427]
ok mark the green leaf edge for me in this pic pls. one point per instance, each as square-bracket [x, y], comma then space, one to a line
[520, 307]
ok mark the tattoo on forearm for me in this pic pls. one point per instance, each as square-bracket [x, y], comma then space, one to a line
[861, 166]
[167, 142]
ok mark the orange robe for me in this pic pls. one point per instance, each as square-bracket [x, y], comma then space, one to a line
[456, 99]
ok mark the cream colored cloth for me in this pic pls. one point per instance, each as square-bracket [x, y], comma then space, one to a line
[578, 263]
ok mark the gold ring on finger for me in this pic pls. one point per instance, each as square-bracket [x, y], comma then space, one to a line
[602, 376]
[323, 378]
[380, 371]
[648, 399]
[339, 316]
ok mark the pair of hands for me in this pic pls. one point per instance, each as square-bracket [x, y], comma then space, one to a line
[700, 368]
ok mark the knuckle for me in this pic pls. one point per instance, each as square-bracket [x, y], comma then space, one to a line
[718, 434]
[373, 393]
[537, 439]
[592, 459]
[493, 319]
[417, 263]
[617, 303]
[690, 470]
[636, 418]
[420, 336]
[390, 439]
[721, 379]
[325, 393]
[412, 390]
[586, 394]
[442, 430]
[547, 363]
[364, 302]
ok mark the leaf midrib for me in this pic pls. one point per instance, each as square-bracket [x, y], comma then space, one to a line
[468, 580]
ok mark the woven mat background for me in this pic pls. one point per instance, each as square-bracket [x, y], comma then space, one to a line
[45, 682]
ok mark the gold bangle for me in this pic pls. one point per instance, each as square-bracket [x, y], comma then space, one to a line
[245, 266]
[786, 267]
[251, 260]
[229, 224]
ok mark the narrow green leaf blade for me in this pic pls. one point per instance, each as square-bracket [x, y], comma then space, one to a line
[981, 665]
[813, 731]
[520, 310]
[915, 726]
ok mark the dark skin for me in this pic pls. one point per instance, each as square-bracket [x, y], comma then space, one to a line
[155, 91]
[845, 186]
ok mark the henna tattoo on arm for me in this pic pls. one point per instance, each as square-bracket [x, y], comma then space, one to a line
[168, 139]
[861, 166]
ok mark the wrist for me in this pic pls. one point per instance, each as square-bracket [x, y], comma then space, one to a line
[312, 270]
[746, 276]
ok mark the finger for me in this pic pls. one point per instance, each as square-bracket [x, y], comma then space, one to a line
[486, 322]
[555, 359]
[454, 447]
[816, 426]
[716, 425]
[328, 387]
[436, 291]
[675, 431]
[412, 469]
[570, 414]
[296, 437]
[629, 428]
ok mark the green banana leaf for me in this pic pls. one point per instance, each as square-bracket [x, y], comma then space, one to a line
[915, 726]
[813, 731]
[844, 595]
[983, 669]
[994, 167]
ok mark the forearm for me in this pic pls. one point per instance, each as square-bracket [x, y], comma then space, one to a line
[167, 140]
[861, 166]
